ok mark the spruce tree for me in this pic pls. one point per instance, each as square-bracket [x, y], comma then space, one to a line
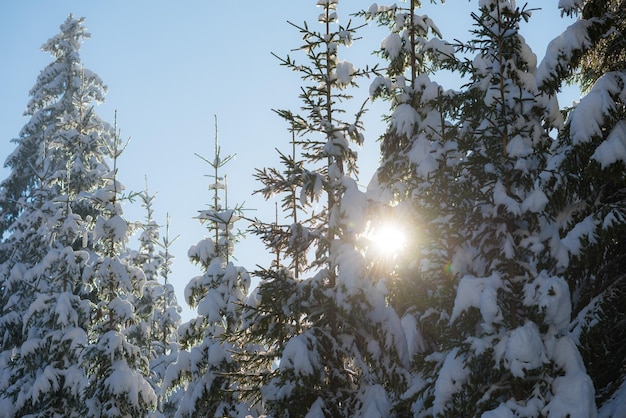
[509, 353]
[47, 208]
[607, 49]
[43, 375]
[167, 320]
[155, 332]
[416, 184]
[588, 178]
[208, 357]
[117, 383]
[61, 101]
[340, 347]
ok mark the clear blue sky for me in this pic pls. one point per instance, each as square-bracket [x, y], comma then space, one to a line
[171, 66]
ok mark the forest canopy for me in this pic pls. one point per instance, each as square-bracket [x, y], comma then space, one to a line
[478, 274]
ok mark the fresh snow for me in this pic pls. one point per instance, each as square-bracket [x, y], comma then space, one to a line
[129, 383]
[614, 408]
[451, 377]
[392, 45]
[552, 296]
[613, 149]
[316, 410]
[345, 70]
[573, 391]
[376, 404]
[502, 411]
[404, 119]
[299, 357]
[569, 6]
[561, 49]
[524, 350]
[535, 201]
[481, 293]
[588, 119]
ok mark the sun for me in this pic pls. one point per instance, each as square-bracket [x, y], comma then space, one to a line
[387, 239]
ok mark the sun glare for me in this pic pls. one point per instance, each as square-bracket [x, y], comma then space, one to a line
[387, 239]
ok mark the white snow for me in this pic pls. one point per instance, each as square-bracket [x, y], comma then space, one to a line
[404, 120]
[131, 384]
[376, 403]
[392, 45]
[612, 149]
[351, 266]
[452, 375]
[344, 72]
[502, 411]
[441, 49]
[519, 146]
[203, 251]
[481, 293]
[615, 407]
[587, 120]
[115, 228]
[47, 381]
[574, 394]
[562, 48]
[379, 83]
[570, 6]
[524, 350]
[123, 309]
[583, 229]
[501, 198]
[423, 155]
[535, 201]
[415, 341]
[298, 357]
[353, 207]
[552, 296]
[316, 410]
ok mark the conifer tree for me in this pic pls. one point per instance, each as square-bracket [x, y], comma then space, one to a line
[43, 375]
[208, 357]
[416, 183]
[157, 309]
[61, 101]
[117, 383]
[512, 309]
[607, 49]
[341, 348]
[63, 145]
[149, 261]
[588, 179]
[167, 320]
[46, 206]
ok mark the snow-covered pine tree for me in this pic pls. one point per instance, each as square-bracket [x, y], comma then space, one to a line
[415, 186]
[156, 332]
[43, 375]
[149, 261]
[117, 383]
[340, 346]
[266, 324]
[41, 371]
[65, 91]
[509, 353]
[60, 157]
[48, 152]
[605, 32]
[588, 177]
[208, 357]
[419, 151]
[167, 321]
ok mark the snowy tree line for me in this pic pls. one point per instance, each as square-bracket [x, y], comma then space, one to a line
[508, 298]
